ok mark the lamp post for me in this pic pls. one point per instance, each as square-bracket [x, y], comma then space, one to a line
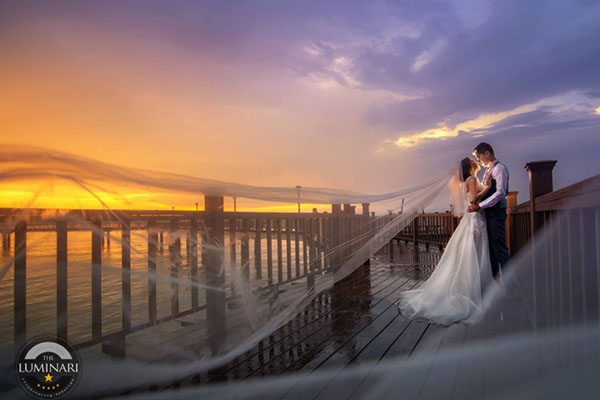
[234, 204]
[196, 206]
[298, 188]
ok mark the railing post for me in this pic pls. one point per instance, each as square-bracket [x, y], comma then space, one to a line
[415, 226]
[61, 279]
[304, 245]
[312, 254]
[297, 245]
[257, 248]
[288, 248]
[212, 258]
[153, 243]
[126, 275]
[194, 260]
[269, 228]
[336, 235]
[511, 201]
[161, 241]
[5, 241]
[245, 250]
[97, 235]
[326, 240]
[20, 285]
[175, 260]
[279, 251]
[319, 246]
[233, 255]
[365, 209]
[540, 183]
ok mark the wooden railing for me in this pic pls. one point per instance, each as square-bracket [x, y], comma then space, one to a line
[577, 201]
[563, 228]
[298, 246]
[436, 229]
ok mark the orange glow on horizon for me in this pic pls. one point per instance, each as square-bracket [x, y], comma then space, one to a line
[64, 196]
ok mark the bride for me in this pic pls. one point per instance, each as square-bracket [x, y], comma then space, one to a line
[453, 292]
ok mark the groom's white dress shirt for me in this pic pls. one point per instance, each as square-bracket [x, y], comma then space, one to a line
[500, 174]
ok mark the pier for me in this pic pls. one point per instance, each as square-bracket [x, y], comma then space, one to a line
[275, 254]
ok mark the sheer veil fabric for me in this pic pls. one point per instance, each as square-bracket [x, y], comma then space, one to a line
[453, 292]
[546, 348]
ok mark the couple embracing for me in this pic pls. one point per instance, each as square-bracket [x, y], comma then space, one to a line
[476, 252]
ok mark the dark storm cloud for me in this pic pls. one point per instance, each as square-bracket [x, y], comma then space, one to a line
[525, 51]
[569, 136]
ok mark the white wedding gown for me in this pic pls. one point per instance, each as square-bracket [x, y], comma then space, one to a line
[453, 292]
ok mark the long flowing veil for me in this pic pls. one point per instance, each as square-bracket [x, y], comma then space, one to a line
[542, 327]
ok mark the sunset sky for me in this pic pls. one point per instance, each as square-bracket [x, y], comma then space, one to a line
[369, 96]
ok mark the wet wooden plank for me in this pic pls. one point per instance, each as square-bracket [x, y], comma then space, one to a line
[469, 377]
[321, 343]
[428, 345]
[306, 323]
[331, 356]
[377, 338]
[441, 378]
[307, 320]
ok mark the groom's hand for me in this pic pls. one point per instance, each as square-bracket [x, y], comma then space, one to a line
[473, 207]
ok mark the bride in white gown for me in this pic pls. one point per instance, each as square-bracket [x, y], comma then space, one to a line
[453, 292]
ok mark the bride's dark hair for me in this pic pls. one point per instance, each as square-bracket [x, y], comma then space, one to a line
[468, 167]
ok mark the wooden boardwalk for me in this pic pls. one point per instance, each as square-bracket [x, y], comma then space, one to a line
[357, 322]
[354, 322]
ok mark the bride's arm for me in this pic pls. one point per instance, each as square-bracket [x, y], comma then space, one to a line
[482, 193]
[472, 189]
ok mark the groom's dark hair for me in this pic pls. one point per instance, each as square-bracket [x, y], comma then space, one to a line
[483, 147]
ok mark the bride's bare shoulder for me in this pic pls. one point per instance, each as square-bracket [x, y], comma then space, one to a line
[470, 180]
[473, 180]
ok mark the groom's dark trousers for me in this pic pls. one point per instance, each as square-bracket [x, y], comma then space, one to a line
[496, 228]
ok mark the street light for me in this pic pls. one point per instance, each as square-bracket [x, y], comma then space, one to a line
[298, 189]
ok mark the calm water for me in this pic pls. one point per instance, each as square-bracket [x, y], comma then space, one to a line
[41, 281]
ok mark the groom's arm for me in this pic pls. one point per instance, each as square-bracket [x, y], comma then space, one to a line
[501, 176]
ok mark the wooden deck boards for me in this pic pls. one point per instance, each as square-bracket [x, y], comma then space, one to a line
[357, 323]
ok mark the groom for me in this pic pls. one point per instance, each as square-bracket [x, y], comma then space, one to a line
[494, 204]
